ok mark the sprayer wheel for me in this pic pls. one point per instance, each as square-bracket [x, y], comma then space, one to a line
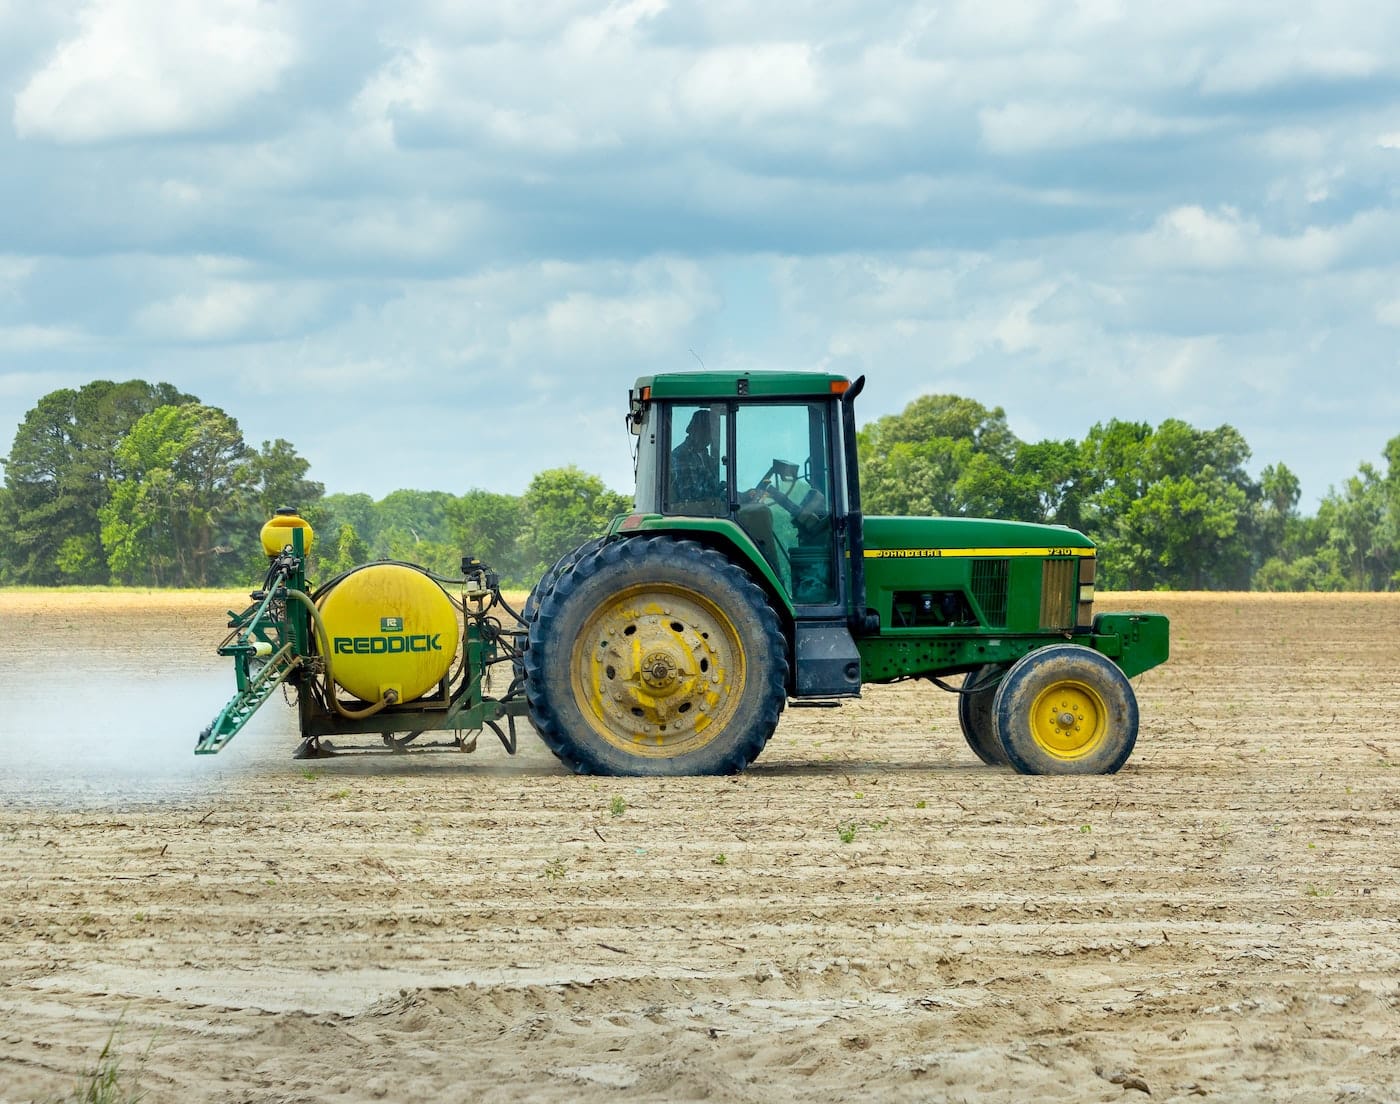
[975, 716]
[655, 657]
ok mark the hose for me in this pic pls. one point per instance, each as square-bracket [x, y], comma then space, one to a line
[390, 696]
[966, 689]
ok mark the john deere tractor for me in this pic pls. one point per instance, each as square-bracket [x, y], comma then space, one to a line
[746, 577]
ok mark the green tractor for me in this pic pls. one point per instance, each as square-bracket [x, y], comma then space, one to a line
[746, 577]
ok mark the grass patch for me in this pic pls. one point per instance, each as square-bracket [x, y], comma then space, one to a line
[108, 1081]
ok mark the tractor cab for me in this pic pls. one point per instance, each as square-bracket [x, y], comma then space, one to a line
[762, 453]
[759, 466]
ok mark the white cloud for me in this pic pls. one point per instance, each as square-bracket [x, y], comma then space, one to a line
[652, 310]
[620, 20]
[226, 310]
[31, 338]
[1193, 238]
[1267, 63]
[410, 229]
[411, 80]
[553, 100]
[14, 271]
[1030, 127]
[752, 83]
[1388, 313]
[137, 68]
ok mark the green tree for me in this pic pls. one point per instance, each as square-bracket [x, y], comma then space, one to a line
[1276, 521]
[347, 550]
[488, 526]
[949, 455]
[414, 527]
[356, 510]
[941, 455]
[184, 482]
[59, 475]
[1361, 525]
[277, 477]
[1041, 483]
[1170, 507]
[563, 508]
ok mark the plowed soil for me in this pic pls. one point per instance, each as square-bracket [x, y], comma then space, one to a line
[867, 914]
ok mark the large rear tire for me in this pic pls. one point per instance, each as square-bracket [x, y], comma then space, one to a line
[976, 718]
[655, 657]
[550, 577]
[1066, 709]
[546, 583]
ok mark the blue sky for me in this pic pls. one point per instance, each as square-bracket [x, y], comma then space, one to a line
[432, 244]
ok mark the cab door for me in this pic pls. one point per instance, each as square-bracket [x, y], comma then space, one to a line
[785, 500]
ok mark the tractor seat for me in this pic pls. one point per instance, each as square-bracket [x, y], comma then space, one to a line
[757, 520]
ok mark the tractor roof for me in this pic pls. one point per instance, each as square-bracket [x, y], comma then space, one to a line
[720, 385]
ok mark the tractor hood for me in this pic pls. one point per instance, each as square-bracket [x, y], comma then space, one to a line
[933, 536]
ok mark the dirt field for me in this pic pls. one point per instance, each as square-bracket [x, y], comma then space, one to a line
[868, 914]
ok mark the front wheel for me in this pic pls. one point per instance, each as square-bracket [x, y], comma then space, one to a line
[654, 656]
[1066, 709]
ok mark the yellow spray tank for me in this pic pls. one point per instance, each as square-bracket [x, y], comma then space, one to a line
[277, 533]
[389, 627]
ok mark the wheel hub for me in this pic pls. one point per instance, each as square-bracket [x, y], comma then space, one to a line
[659, 668]
[1068, 719]
[659, 671]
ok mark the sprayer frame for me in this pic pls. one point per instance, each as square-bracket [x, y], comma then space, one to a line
[274, 641]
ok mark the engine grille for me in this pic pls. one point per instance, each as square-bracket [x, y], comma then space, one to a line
[1059, 581]
[990, 585]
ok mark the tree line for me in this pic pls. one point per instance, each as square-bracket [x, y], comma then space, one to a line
[1171, 507]
[142, 484]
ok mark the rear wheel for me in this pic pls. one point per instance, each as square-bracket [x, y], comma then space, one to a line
[548, 579]
[546, 583]
[975, 715]
[655, 657]
[1066, 709]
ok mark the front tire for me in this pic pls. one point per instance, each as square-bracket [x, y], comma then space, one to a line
[655, 657]
[1066, 709]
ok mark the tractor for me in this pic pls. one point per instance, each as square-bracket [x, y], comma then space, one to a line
[745, 578]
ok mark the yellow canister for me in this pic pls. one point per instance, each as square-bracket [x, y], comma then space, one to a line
[277, 533]
[391, 627]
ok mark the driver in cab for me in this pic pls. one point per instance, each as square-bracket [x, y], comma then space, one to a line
[694, 477]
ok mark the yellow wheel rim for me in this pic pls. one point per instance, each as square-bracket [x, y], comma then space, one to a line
[1069, 720]
[658, 670]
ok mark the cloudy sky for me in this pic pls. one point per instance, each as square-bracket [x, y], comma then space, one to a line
[432, 243]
